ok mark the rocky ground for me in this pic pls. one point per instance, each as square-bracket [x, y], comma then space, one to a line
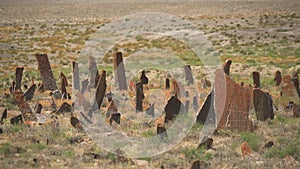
[259, 36]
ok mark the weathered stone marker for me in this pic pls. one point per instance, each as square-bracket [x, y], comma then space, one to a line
[176, 88]
[75, 68]
[263, 105]
[29, 93]
[167, 83]
[93, 73]
[38, 108]
[4, 116]
[173, 108]
[111, 109]
[16, 120]
[188, 74]
[195, 103]
[63, 85]
[144, 78]
[64, 108]
[119, 69]
[295, 80]
[76, 123]
[139, 96]
[207, 109]
[227, 66]
[101, 88]
[23, 106]
[150, 110]
[46, 72]
[256, 79]
[277, 78]
[288, 89]
[19, 74]
[296, 110]
[115, 117]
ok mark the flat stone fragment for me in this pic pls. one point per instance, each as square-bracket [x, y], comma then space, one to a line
[46, 72]
[19, 74]
[116, 117]
[38, 108]
[150, 110]
[188, 74]
[119, 69]
[277, 78]
[75, 69]
[4, 116]
[16, 120]
[263, 105]
[29, 93]
[64, 108]
[232, 103]
[101, 88]
[63, 85]
[207, 110]
[206, 142]
[173, 108]
[256, 79]
[76, 123]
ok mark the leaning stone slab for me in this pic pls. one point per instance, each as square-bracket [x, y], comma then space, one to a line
[23, 106]
[119, 69]
[188, 74]
[46, 72]
[76, 85]
[263, 105]
[29, 93]
[288, 90]
[101, 88]
[173, 108]
[19, 74]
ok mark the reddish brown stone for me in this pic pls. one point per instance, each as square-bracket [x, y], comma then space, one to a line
[119, 69]
[29, 93]
[232, 103]
[263, 105]
[295, 80]
[256, 79]
[100, 89]
[206, 143]
[226, 66]
[46, 72]
[277, 78]
[23, 106]
[19, 74]
[288, 89]
[111, 109]
[75, 69]
[139, 96]
[188, 74]
[197, 164]
[76, 124]
[176, 88]
[63, 84]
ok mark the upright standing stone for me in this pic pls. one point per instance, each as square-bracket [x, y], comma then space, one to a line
[195, 103]
[188, 74]
[144, 78]
[19, 74]
[227, 66]
[207, 110]
[176, 88]
[120, 71]
[63, 84]
[277, 78]
[46, 72]
[76, 85]
[173, 108]
[263, 105]
[111, 109]
[295, 80]
[23, 106]
[150, 110]
[139, 96]
[93, 73]
[256, 79]
[29, 93]
[3, 117]
[288, 89]
[101, 88]
[64, 78]
[167, 83]
[37, 108]
[84, 85]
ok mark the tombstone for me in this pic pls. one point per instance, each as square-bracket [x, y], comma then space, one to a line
[173, 108]
[19, 74]
[64, 108]
[296, 110]
[38, 108]
[76, 85]
[119, 69]
[139, 97]
[23, 106]
[64, 79]
[187, 106]
[109, 96]
[93, 73]
[116, 117]
[144, 78]
[256, 79]
[63, 85]
[263, 105]
[101, 88]
[150, 110]
[84, 85]
[277, 78]
[176, 88]
[232, 103]
[227, 66]
[188, 74]
[195, 103]
[288, 90]
[207, 110]
[295, 80]
[206, 143]
[3, 117]
[76, 123]
[41, 88]
[111, 109]
[12, 88]
[197, 164]
[16, 120]
[29, 93]
[46, 72]
[53, 105]
[167, 83]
